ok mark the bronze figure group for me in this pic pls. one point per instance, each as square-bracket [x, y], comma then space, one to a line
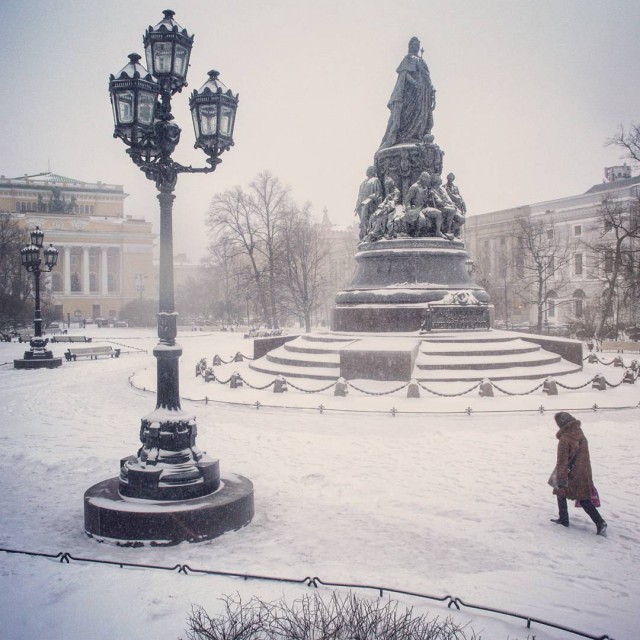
[429, 209]
[402, 195]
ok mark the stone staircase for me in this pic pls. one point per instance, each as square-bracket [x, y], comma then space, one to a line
[497, 355]
[448, 356]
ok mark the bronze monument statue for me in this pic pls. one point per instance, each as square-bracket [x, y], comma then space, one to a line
[411, 263]
[369, 195]
[382, 219]
[412, 101]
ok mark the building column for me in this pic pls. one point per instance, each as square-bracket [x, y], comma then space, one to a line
[86, 288]
[67, 271]
[104, 279]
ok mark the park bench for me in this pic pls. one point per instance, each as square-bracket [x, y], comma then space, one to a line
[620, 346]
[72, 353]
[71, 339]
[263, 333]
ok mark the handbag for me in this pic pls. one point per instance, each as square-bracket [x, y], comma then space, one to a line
[595, 497]
[553, 478]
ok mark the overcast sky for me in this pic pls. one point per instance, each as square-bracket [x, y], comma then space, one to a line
[527, 93]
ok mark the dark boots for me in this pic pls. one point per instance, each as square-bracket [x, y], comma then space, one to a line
[563, 513]
[590, 510]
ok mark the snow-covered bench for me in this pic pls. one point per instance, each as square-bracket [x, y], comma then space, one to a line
[72, 353]
[263, 333]
[71, 339]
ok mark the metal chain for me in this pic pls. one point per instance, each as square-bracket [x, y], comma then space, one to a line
[509, 393]
[374, 393]
[448, 395]
[333, 384]
[582, 386]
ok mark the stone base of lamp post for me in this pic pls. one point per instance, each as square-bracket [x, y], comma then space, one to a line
[38, 357]
[111, 517]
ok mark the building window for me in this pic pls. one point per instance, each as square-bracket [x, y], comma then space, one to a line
[551, 307]
[549, 234]
[577, 264]
[608, 261]
[56, 282]
[111, 283]
[520, 265]
[577, 230]
[93, 282]
[579, 296]
[75, 283]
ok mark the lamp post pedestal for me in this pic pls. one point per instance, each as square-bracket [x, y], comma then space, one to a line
[38, 356]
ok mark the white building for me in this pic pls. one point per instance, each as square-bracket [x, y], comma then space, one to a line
[492, 242]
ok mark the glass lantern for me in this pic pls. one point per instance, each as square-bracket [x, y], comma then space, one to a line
[134, 97]
[50, 257]
[30, 256]
[167, 49]
[37, 237]
[213, 109]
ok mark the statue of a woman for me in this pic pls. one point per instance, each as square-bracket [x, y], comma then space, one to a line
[412, 101]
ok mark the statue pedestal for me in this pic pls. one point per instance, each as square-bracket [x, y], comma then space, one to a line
[396, 281]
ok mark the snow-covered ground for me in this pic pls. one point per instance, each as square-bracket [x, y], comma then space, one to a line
[432, 502]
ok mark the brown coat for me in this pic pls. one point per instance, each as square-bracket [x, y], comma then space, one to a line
[573, 445]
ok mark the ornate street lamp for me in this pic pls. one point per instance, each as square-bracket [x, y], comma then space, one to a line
[38, 355]
[168, 469]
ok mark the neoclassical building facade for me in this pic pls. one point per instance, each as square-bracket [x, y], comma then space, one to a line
[491, 240]
[103, 253]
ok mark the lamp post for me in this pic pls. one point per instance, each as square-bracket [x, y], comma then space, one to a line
[469, 265]
[38, 355]
[168, 469]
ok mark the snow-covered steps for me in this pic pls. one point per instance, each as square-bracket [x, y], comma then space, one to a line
[315, 356]
[497, 355]
[450, 356]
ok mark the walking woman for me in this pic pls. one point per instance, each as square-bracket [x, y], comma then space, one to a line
[573, 478]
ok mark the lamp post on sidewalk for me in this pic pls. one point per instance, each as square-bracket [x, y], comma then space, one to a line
[38, 356]
[168, 470]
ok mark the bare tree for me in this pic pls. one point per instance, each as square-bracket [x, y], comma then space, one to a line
[628, 140]
[305, 255]
[543, 255]
[15, 286]
[615, 254]
[232, 221]
[271, 206]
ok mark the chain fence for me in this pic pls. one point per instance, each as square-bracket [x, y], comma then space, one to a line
[315, 582]
[236, 379]
[322, 408]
